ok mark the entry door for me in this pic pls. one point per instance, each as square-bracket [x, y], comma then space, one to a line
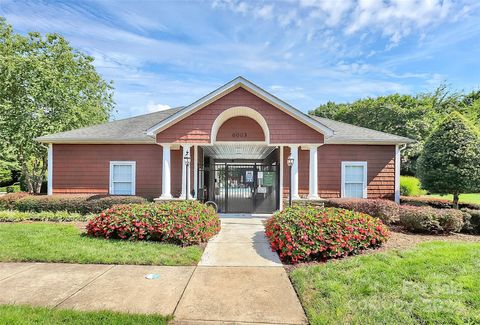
[248, 188]
[240, 194]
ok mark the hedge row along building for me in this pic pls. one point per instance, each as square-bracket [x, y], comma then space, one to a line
[238, 138]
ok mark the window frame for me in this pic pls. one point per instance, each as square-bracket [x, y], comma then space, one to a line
[134, 172]
[363, 164]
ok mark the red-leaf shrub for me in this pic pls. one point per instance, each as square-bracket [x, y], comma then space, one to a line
[385, 210]
[301, 234]
[429, 220]
[178, 222]
[79, 203]
[426, 201]
[7, 201]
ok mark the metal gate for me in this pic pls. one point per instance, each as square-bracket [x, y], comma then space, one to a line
[245, 188]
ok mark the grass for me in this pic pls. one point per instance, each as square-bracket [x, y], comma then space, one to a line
[46, 242]
[464, 198]
[19, 315]
[17, 216]
[433, 283]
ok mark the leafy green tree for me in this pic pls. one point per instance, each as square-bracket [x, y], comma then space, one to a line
[410, 116]
[8, 168]
[46, 86]
[450, 162]
[402, 115]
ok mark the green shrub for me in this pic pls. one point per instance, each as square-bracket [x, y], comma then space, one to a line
[429, 220]
[471, 221]
[385, 210]
[3, 189]
[178, 222]
[84, 204]
[13, 188]
[7, 201]
[436, 203]
[301, 234]
[410, 186]
[17, 216]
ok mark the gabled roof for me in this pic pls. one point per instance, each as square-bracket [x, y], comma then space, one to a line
[129, 130]
[142, 128]
[351, 134]
[229, 87]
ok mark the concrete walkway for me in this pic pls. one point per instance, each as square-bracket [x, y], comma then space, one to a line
[239, 280]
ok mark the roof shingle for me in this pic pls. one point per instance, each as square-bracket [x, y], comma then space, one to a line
[133, 130]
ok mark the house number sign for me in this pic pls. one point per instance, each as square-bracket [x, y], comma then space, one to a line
[239, 134]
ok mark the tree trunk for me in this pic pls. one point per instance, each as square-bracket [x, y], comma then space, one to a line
[455, 200]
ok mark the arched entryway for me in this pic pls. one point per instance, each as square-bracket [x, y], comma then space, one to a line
[240, 170]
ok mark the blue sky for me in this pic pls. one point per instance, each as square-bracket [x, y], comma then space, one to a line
[163, 54]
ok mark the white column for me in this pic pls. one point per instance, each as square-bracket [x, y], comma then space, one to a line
[397, 173]
[294, 180]
[313, 174]
[50, 170]
[281, 178]
[195, 170]
[166, 182]
[185, 172]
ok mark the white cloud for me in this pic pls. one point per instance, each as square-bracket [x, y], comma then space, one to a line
[265, 12]
[152, 107]
[331, 12]
[397, 19]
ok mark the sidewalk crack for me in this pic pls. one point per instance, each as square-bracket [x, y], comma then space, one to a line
[81, 288]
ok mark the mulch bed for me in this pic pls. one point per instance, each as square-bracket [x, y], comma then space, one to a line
[399, 240]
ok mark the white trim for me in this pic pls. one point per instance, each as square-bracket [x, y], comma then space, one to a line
[313, 174]
[239, 111]
[294, 179]
[373, 142]
[123, 163]
[281, 178]
[97, 141]
[229, 87]
[398, 160]
[166, 173]
[365, 176]
[50, 170]
[195, 170]
[186, 172]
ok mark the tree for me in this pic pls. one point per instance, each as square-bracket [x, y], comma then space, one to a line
[450, 162]
[402, 115]
[46, 86]
[410, 116]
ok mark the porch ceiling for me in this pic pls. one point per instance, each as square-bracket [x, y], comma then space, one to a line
[238, 151]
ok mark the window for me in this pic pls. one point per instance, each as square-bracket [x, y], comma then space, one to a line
[122, 177]
[354, 179]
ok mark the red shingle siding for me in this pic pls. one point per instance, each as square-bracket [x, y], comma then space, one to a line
[303, 172]
[176, 162]
[240, 128]
[381, 169]
[196, 128]
[85, 168]
[380, 161]
[286, 172]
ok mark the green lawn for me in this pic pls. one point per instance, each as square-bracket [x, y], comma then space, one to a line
[434, 283]
[20, 315]
[46, 242]
[465, 198]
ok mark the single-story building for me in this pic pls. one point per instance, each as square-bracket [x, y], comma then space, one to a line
[240, 141]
